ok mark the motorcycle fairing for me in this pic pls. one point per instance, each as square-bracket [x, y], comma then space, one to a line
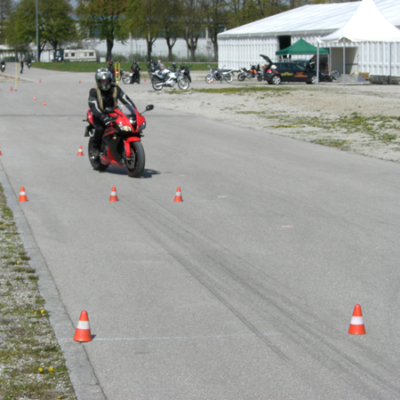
[127, 144]
[90, 117]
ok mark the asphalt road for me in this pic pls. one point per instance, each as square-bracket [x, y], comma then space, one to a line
[246, 289]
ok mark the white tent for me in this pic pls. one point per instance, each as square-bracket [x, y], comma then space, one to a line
[366, 25]
[242, 46]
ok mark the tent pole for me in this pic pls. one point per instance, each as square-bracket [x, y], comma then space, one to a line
[344, 60]
[390, 63]
[317, 62]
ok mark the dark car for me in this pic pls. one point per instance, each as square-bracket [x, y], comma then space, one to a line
[310, 64]
[289, 72]
[277, 72]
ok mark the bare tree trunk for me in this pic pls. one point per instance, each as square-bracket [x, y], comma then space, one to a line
[149, 48]
[110, 44]
[170, 44]
[192, 46]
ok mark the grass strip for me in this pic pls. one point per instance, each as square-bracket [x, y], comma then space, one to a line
[93, 66]
[32, 365]
[379, 128]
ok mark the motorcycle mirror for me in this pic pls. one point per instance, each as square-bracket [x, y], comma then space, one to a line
[148, 108]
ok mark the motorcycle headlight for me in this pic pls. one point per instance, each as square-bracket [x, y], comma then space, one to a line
[125, 128]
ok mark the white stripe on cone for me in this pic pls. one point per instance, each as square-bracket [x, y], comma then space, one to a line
[357, 321]
[83, 325]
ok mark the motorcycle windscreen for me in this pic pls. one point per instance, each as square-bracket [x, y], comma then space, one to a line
[128, 110]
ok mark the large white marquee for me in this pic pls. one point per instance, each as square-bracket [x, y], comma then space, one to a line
[242, 46]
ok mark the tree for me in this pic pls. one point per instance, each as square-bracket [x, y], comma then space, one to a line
[5, 13]
[170, 23]
[242, 12]
[145, 20]
[216, 16]
[104, 19]
[54, 23]
[194, 23]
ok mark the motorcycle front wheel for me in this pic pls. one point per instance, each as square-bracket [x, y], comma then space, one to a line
[95, 161]
[209, 78]
[126, 80]
[157, 85]
[135, 163]
[241, 77]
[183, 83]
[229, 77]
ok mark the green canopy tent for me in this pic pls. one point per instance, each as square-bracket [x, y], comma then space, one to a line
[302, 47]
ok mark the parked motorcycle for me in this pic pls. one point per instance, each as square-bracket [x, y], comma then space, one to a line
[183, 70]
[168, 78]
[121, 144]
[3, 66]
[254, 72]
[220, 75]
[132, 77]
[29, 64]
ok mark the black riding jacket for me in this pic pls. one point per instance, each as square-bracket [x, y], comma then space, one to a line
[108, 101]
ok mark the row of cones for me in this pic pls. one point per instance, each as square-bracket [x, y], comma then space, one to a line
[34, 99]
[40, 81]
[83, 334]
[113, 196]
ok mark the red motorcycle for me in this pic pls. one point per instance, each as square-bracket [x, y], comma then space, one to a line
[121, 143]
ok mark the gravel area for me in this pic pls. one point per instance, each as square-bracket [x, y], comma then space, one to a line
[360, 118]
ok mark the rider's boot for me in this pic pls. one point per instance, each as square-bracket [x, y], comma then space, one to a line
[96, 144]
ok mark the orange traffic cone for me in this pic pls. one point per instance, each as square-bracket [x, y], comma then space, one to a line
[80, 151]
[44, 103]
[79, 81]
[11, 89]
[0, 151]
[82, 333]
[22, 195]
[113, 196]
[357, 322]
[34, 98]
[144, 79]
[178, 195]
[40, 81]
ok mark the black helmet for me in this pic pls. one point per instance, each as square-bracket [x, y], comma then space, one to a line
[103, 79]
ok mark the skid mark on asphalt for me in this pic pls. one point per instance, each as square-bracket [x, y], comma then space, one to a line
[237, 283]
[244, 335]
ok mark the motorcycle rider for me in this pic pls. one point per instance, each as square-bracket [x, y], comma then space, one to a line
[104, 94]
[164, 71]
[111, 69]
[135, 69]
[3, 66]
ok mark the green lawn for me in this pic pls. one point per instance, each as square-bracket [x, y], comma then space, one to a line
[92, 66]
